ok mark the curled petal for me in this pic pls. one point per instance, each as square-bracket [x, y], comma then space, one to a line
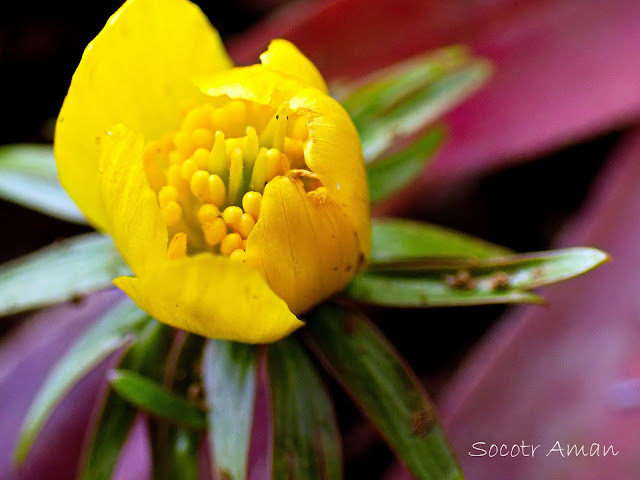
[137, 71]
[284, 72]
[131, 211]
[333, 151]
[214, 297]
[303, 243]
[284, 57]
[256, 83]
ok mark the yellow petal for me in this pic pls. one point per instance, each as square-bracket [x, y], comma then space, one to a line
[333, 151]
[255, 83]
[214, 297]
[282, 56]
[304, 244]
[132, 215]
[137, 71]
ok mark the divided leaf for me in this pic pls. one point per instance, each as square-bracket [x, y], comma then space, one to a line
[117, 416]
[403, 99]
[59, 272]
[382, 385]
[392, 173]
[230, 375]
[28, 177]
[113, 331]
[306, 442]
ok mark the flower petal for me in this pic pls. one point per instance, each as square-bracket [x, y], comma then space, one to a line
[333, 151]
[283, 73]
[304, 244]
[137, 71]
[284, 57]
[132, 215]
[256, 83]
[214, 297]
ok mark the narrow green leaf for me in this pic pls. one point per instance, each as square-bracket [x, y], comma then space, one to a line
[405, 240]
[59, 272]
[404, 98]
[371, 371]
[28, 177]
[111, 332]
[174, 449]
[470, 281]
[429, 291]
[229, 374]
[306, 443]
[150, 396]
[390, 174]
[117, 416]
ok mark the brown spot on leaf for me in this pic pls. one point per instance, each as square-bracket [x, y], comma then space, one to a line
[461, 281]
[421, 422]
[499, 281]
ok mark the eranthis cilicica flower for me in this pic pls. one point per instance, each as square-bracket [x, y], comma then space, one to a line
[237, 195]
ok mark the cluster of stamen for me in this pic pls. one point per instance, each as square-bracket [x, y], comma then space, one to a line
[209, 176]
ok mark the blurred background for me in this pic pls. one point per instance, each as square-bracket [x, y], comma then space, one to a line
[522, 197]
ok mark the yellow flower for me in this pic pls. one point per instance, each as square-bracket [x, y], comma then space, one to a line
[237, 196]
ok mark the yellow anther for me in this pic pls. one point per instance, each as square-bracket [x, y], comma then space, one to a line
[277, 164]
[203, 138]
[221, 120]
[176, 158]
[197, 118]
[251, 203]
[235, 176]
[322, 191]
[245, 225]
[208, 213]
[238, 255]
[217, 190]
[177, 246]
[297, 128]
[294, 152]
[215, 231]
[231, 242]
[201, 157]
[200, 185]
[167, 194]
[184, 144]
[188, 168]
[232, 216]
[171, 213]
[218, 157]
[174, 176]
[236, 113]
[259, 174]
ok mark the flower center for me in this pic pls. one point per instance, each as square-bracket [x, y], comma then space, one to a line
[209, 176]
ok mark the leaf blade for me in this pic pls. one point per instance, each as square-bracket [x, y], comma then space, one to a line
[28, 177]
[59, 272]
[396, 239]
[391, 174]
[152, 397]
[306, 443]
[364, 362]
[230, 379]
[406, 97]
[109, 334]
[117, 416]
